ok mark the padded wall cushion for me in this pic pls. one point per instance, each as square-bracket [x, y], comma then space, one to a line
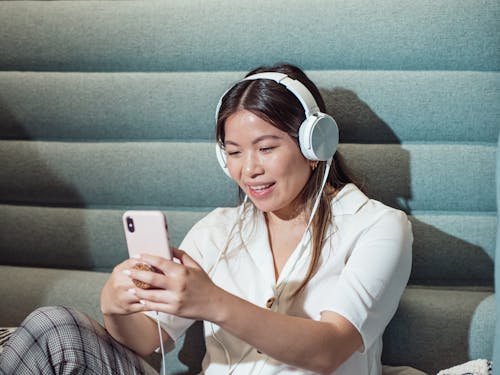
[35, 287]
[416, 177]
[482, 329]
[112, 106]
[93, 239]
[78, 238]
[442, 316]
[114, 174]
[426, 177]
[229, 35]
[369, 106]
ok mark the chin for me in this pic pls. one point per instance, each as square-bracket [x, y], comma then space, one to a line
[260, 206]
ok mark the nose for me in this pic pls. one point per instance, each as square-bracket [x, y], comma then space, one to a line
[252, 167]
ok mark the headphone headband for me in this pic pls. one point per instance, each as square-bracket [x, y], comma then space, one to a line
[296, 87]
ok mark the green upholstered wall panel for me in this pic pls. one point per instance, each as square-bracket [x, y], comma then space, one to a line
[423, 177]
[110, 174]
[482, 329]
[420, 177]
[42, 287]
[448, 249]
[370, 106]
[228, 35]
[109, 105]
[431, 329]
[453, 248]
[75, 238]
[409, 106]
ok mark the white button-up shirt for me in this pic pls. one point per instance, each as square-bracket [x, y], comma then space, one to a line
[363, 270]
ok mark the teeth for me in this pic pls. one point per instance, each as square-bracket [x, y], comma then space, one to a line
[260, 187]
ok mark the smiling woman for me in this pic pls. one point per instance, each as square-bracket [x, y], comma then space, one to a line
[302, 277]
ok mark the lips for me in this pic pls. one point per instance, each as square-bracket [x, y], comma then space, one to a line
[258, 190]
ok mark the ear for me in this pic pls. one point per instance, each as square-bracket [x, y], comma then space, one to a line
[221, 158]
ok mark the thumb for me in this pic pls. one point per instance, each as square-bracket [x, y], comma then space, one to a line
[185, 258]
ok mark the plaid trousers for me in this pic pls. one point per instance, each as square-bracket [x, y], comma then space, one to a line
[60, 340]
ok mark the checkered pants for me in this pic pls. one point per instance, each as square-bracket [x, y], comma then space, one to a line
[59, 340]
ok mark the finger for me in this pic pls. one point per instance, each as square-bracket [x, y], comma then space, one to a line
[165, 265]
[153, 279]
[161, 296]
[127, 263]
[159, 300]
[158, 306]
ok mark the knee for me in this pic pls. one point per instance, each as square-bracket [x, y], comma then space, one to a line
[51, 319]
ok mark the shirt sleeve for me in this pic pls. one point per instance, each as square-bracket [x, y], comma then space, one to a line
[375, 275]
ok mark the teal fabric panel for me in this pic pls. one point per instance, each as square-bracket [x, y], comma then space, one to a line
[90, 239]
[42, 287]
[114, 174]
[109, 106]
[228, 35]
[409, 106]
[421, 177]
[482, 330]
[448, 249]
[369, 106]
[453, 249]
[414, 176]
[430, 330]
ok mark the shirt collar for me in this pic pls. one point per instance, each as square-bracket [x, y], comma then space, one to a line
[348, 201]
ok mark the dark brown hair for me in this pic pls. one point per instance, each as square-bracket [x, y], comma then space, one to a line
[275, 104]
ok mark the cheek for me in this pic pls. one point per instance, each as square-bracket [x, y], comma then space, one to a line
[234, 169]
[297, 172]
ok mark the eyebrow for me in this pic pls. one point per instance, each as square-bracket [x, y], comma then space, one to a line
[256, 140]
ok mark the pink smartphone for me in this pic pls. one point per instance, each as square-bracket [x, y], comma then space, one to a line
[147, 232]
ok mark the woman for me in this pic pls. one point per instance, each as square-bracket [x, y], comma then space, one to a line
[302, 277]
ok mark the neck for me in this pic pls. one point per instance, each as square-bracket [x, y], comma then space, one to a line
[294, 217]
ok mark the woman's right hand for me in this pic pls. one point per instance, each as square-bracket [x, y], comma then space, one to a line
[117, 297]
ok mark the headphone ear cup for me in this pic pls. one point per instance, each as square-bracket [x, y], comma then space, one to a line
[319, 137]
[221, 158]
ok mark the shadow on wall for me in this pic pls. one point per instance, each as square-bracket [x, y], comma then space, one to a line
[371, 149]
[381, 167]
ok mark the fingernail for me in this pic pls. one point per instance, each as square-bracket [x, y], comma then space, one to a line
[127, 272]
[136, 256]
[142, 302]
[131, 291]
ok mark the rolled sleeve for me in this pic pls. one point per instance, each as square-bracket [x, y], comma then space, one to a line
[376, 273]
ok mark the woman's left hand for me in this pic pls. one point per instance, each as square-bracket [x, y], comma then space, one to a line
[184, 289]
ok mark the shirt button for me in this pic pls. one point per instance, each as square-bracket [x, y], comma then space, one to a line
[270, 302]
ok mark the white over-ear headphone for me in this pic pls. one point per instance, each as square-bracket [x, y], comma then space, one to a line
[318, 134]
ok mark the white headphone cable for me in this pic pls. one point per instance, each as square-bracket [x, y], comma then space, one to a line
[223, 251]
[161, 344]
[212, 273]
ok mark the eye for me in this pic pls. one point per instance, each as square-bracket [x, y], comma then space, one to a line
[267, 149]
[232, 153]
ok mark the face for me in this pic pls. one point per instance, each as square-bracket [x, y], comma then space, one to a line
[266, 163]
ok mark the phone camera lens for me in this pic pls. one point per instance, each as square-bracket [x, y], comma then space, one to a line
[130, 225]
